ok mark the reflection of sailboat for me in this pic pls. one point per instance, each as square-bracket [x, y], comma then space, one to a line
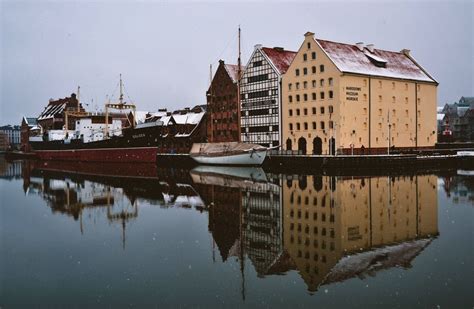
[229, 153]
[226, 176]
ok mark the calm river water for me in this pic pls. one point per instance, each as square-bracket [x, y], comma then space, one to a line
[91, 236]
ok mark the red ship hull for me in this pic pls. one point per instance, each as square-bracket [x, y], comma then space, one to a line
[135, 154]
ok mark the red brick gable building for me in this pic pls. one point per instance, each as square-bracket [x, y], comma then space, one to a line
[222, 105]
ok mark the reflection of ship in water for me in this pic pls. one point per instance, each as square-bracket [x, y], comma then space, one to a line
[329, 229]
[91, 191]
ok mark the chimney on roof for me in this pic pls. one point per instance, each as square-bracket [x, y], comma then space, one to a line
[258, 46]
[370, 47]
[162, 109]
[406, 52]
[221, 61]
[280, 49]
[309, 33]
[360, 46]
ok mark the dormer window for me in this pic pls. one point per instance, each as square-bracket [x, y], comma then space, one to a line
[376, 60]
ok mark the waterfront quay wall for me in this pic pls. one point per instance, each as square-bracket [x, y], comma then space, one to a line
[280, 162]
[366, 162]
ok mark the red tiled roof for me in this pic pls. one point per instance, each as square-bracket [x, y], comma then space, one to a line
[280, 58]
[232, 70]
[349, 58]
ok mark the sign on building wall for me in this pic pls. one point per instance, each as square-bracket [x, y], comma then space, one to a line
[352, 93]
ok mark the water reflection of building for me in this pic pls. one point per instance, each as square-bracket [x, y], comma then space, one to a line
[9, 170]
[327, 219]
[262, 225]
[90, 197]
[245, 213]
[460, 187]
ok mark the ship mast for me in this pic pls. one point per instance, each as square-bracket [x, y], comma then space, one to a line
[78, 96]
[121, 90]
[239, 72]
[119, 106]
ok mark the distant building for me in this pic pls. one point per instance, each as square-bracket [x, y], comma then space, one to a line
[12, 134]
[261, 95]
[354, 98]
[29, 128]
[4, 143]
[222, 104]
[53, 115]
[181, 128]
[457, 124]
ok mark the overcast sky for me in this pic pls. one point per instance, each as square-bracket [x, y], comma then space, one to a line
[164, 49]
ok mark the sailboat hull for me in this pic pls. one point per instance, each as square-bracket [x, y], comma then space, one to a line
[246, 158]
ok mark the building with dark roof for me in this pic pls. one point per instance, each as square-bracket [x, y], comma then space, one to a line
[53, 115]
[222, 125]
[355, 98]
[457, 124]
[261, 95]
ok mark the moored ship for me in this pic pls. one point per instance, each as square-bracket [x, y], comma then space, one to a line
[72, 134]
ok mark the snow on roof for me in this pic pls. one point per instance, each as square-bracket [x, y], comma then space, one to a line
[280, 58]
[140, 116]
[180, 119]
[349, 58]
[52, 109]
[233, 71]
[166, 120]
[188, 118]
[30, 121]
[439, 109]
[439, 116]
[158, 114]
[195, 118]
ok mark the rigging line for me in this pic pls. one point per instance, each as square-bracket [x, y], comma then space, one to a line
[113, 92]
[126, 93]
[232, 39]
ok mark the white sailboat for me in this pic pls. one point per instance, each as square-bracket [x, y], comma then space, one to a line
[230, 153]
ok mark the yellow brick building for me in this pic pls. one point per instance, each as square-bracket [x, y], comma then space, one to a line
[356, 99]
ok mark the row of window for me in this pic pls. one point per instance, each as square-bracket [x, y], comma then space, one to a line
[380, 84]
[313, 83]
[313, 56]
[305, 111]
[257, 78]
[259, 129]
[314, 127]
[313, 70]
[313, 96]
[315, 217]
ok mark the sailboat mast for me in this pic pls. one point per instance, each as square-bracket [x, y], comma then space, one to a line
[239, 73]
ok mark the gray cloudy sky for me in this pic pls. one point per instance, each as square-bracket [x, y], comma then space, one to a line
[164, 49]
